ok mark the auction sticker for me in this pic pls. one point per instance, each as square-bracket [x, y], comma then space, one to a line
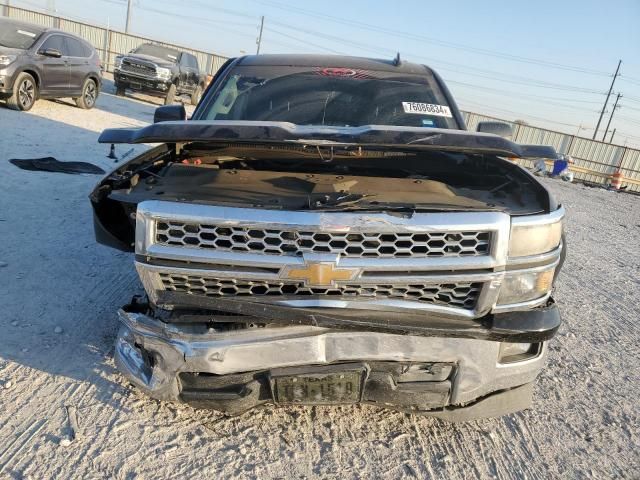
[426, 109]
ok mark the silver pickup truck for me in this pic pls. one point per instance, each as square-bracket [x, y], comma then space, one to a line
[324, 230]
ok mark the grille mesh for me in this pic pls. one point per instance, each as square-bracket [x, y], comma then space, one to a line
[295, 243]
[459, 295]
[139, 68]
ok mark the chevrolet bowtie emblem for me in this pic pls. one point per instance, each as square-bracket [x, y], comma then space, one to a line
[320, 274]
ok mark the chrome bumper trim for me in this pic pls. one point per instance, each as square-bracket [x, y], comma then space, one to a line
[175, 350]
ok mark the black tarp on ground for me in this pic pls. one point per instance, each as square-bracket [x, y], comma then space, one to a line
[50, 164]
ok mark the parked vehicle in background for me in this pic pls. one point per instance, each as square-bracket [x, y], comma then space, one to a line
[38, 62]
[160, 71]
[325, 231]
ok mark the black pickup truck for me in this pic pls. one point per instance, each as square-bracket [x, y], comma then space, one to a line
[325, 230]
[160, 71]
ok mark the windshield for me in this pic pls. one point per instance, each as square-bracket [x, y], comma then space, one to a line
[329, 96]
[18, 36]
[158, 52]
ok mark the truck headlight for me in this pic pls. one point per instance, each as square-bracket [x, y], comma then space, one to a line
[117, 62]
[6, 59]
[535, 235]
[163, 73]
[525, 286]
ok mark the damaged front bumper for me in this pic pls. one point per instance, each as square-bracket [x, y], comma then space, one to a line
[233, 371]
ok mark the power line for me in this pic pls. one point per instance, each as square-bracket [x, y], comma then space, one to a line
[550, 86]
[630, 80]
[352, 22]
[630, 120]
[629, 135]
[305, 42]
[488, 74]
[519, 114]
[477, 72]
[523, 97]
[518, 94]
[492, 75]
[499, 75]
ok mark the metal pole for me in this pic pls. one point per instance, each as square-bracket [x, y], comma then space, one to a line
[615, 105]
[259, 40]
[105, 47]
[612, 134]
[615, 75]
[126, 28]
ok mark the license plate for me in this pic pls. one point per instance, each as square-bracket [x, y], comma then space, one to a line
[318, 388]
[135, 86]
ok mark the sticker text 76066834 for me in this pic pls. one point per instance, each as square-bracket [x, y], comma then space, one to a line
[426, 109]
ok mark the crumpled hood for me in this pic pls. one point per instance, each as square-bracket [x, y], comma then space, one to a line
[410, 138]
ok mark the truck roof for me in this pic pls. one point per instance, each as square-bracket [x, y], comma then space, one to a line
[305, 60]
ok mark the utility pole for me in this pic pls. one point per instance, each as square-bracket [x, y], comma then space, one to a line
[126, 28]
[259, 40]
[615, 105]
[615, 75]
[612, 134]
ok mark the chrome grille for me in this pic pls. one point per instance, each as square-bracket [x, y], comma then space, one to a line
[458, 295]
[139, 68]
[297, 242]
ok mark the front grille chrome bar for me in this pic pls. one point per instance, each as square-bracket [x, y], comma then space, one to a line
[369, 244]
[438, 279]
[471, 240]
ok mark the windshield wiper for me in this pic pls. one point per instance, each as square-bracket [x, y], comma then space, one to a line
[353, 202]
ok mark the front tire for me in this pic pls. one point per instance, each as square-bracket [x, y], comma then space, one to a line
[171, 95]
[89, 95]
[25, 93]
[120, 90]
[196, 95]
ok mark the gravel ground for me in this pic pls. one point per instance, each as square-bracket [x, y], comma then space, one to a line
[60, 292]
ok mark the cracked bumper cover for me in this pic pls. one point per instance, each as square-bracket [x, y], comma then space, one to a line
[156, 356]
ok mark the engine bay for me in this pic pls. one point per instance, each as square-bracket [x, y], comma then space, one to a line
[298, 178]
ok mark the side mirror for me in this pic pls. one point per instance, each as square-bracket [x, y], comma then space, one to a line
[170, 113]
[497, 128]
[51, 52]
